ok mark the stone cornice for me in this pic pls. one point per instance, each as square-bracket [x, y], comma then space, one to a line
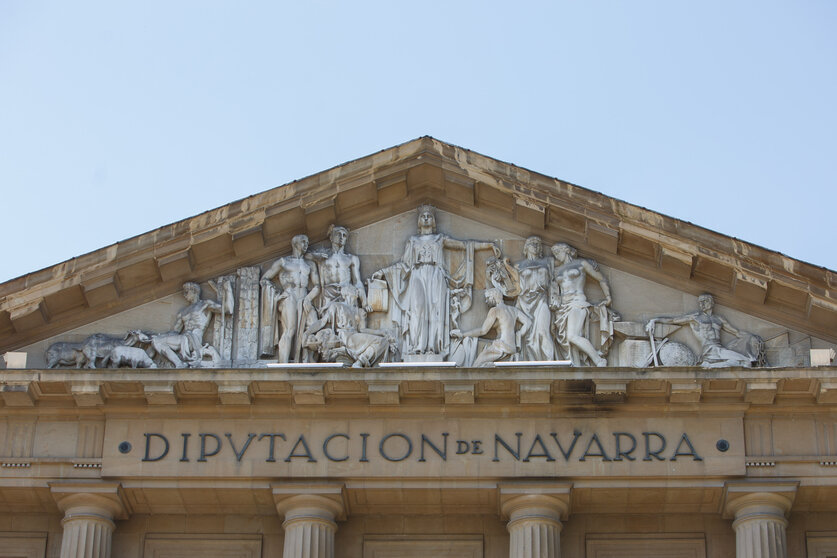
[744, 276]
[536, 387]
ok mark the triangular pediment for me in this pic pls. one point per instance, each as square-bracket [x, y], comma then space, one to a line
[507, 200]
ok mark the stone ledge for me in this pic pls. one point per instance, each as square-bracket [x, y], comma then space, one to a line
[533, 385]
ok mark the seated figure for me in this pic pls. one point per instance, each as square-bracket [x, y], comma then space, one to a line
[707, 328]
[505, 317]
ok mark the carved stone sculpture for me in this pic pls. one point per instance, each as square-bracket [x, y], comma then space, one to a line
[503, 276]
[64, 354]
[299, 285]
[311, 306]
[421, 284]
[183, 346]
[339, 269]
[505, 318]
[573, 311]
[534, 273]
[341, 335]
[707, 327]
[134, 357]
[99, 345]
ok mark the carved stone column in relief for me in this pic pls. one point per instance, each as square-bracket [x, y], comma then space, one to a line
[247, 315]
[89, 511]
[534, 514]
[759, 518]
[222, 325]
[310, 513]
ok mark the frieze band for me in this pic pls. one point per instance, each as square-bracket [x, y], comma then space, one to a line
[398, 446]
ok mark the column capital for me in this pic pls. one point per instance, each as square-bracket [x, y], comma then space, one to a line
[329, 498]
[761, 498]
[552, 499]
[103, 499]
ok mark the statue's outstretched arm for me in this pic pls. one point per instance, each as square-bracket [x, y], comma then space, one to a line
[490, 319]
[682, 319]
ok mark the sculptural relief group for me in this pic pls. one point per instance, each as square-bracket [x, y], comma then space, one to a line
[313, 306]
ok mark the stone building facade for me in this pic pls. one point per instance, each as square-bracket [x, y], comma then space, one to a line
[424, 352]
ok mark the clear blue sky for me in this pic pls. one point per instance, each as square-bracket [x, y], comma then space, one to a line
[117, 117]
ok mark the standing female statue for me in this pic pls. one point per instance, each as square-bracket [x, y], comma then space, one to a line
[420, 284]
[533, 300]
[573, 310]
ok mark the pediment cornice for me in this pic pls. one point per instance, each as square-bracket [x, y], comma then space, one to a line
[675, 253]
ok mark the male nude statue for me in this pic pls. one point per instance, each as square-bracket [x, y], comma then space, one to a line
[339, 269]
[707, 328]
[184, 345]
[505, 317]
[296, 311]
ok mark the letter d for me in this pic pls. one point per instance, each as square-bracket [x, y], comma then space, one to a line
[165, 451]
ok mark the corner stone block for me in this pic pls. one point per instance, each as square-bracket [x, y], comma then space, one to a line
[319, 219]
[101, 290]
[248, 241]
[675, 262]
[530, 213]
[17, 394]
[492, 197]
[823, 313]
[750, 287]
[537, 393]
[686, 392]
[234, 394]
[602, 237]
[785, 294]
[175, 266]
[760, 393]
[280, 224]
[139, 274]
[827, 393]
[65, 300]
[391, 189]
[459, 393]
[308, 393]
[610, 390]
[160, 394]
[638, 246]
[714, 272]
[87, 395]
[29, 317]
[381, 393]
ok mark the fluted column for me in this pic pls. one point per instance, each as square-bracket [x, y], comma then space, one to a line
[89, 511]
[534, 513]
[310, 513]
[759, 518]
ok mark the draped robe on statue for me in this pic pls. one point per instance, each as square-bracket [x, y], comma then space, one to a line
[420, 286]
